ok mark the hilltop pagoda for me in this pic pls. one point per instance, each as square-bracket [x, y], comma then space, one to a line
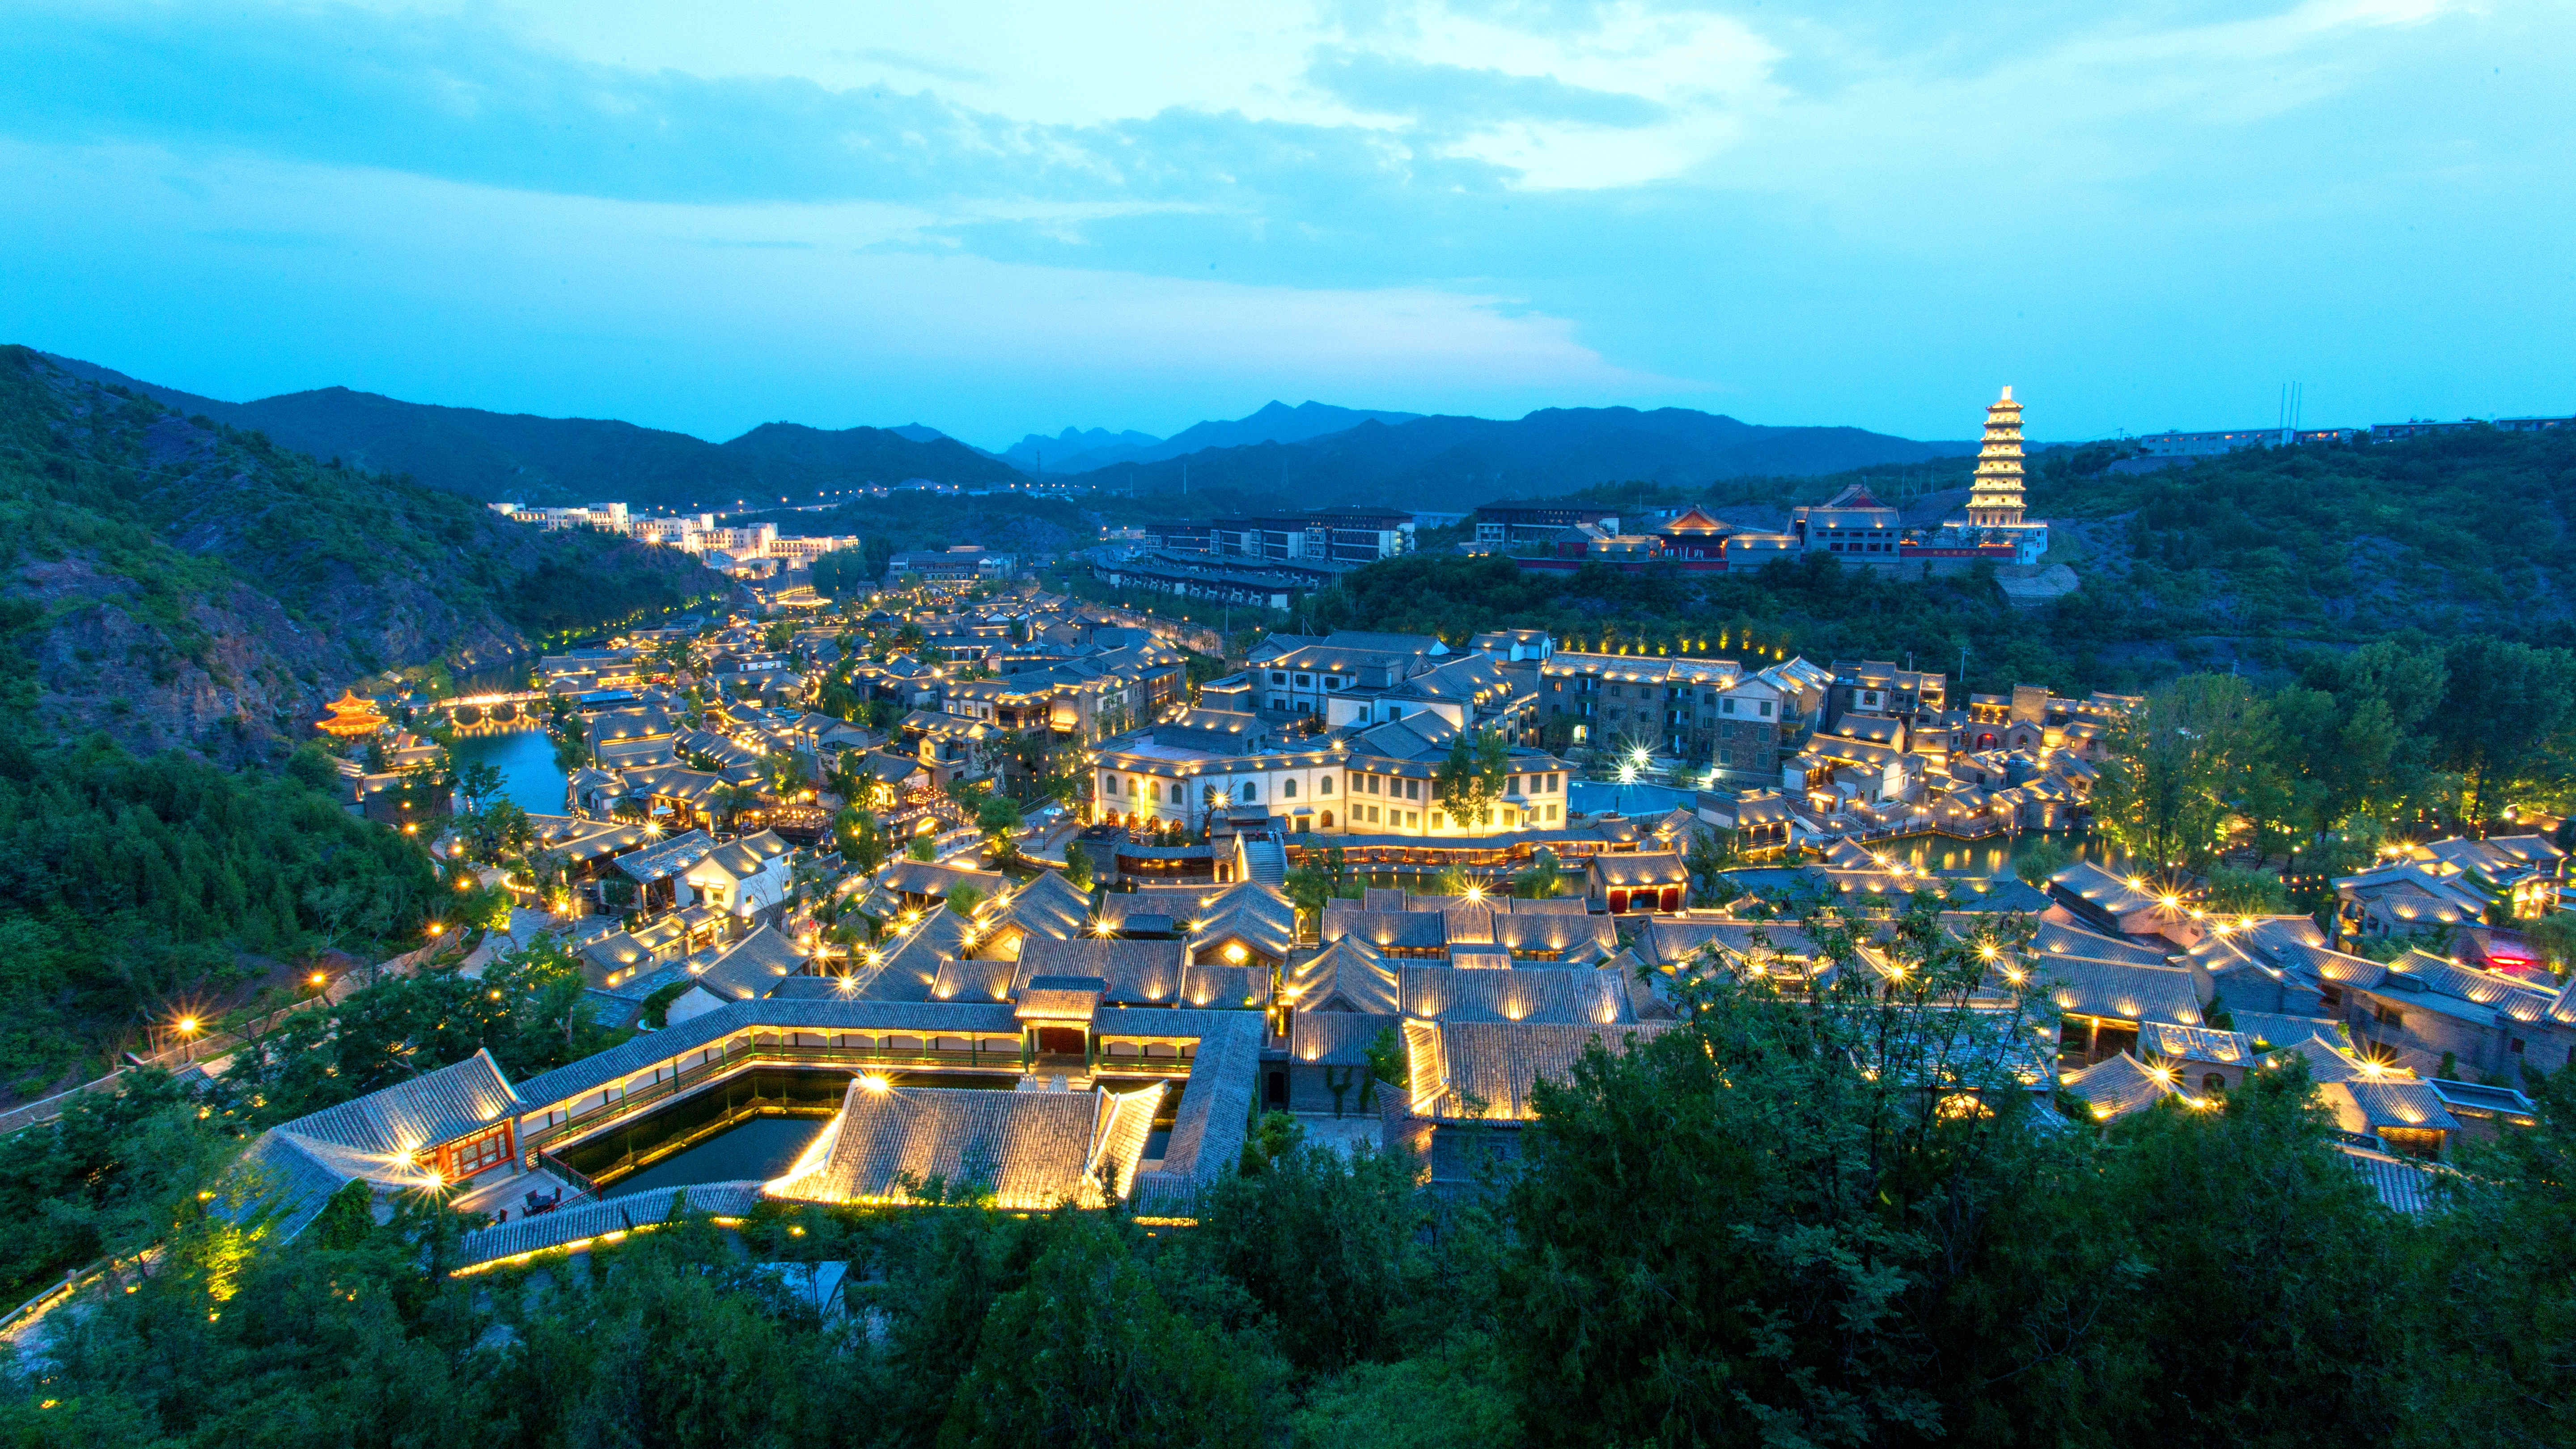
[352, 718]
[1995, 499]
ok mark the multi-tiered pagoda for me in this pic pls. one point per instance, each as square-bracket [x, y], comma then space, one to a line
[352, 718]
[1995, 499]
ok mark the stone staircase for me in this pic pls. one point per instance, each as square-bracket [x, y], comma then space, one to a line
[1264, 859]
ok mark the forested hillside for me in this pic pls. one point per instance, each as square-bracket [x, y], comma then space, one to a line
[175, 594]
[2244, 561]
[1459, 462]
[516, 457]
[175, 582]
[2340, 542]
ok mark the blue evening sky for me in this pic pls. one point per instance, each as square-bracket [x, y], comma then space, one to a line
[995, 218]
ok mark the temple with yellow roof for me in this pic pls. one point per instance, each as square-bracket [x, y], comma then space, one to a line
[352, 718]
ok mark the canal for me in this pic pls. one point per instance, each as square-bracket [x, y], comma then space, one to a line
[526, 760]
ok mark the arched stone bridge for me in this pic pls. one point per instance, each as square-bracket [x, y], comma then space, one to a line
[500, 711]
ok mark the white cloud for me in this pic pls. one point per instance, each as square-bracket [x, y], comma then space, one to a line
[687, 316]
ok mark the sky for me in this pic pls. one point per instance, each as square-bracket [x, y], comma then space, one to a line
[1004, 218]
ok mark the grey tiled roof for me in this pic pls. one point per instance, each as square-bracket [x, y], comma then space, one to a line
[2400, 1102]
[2327, 1061]
[1135, 972]
[579, 1078]
[1388, 930]
[2053, 939]
[1666, 941]
[753, 966]
[2401, 1183]
[1629, 869]
[743, 857]
[2272, 1029]
[1259, 914]
[1443, 993]
[966, 979]
[596, 1219]
[1208, 1126]
[2116, 1087]
[2192, 1043]
[672, 856]
[431, 1108]
[1058, 998]
[1335, 1038]
[292, 1168]
[909, 963]
[291, 1177]
[1351, 970]
[2120, 992]
[1497, 1063]
[1048, 906]
[1031, 1150]
[1577, 937]
[1222, 987]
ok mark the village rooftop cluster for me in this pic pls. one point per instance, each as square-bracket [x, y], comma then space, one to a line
[1060, 911]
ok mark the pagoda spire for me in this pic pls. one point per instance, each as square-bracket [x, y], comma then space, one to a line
[1995, 498]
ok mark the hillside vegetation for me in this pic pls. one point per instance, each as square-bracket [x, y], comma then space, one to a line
[519, 458]
[172, 581]
[2251, 560]
[2339, 543]
[175, 596]
[1459, 462]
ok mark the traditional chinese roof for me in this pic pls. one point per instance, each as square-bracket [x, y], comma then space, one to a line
[383, 1138]
[743, 858]
[1028, 1150]
[1456, 1068]
[1346, 976]
[352, 717]
[1632, 869]
[752, 966]
[2402, 1184]
[2375, 1103]
[670, 858]
[2159, 1040]
[1336, 1038]
[2120, 1085]
[1550, 994]
[1137, 973]
[924, 878]
[1059, 998]
[2117, 991]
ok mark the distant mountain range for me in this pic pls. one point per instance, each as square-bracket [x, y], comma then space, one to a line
[1459, 462]
[514, 457]
[1077, 450]
[1312, 453]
